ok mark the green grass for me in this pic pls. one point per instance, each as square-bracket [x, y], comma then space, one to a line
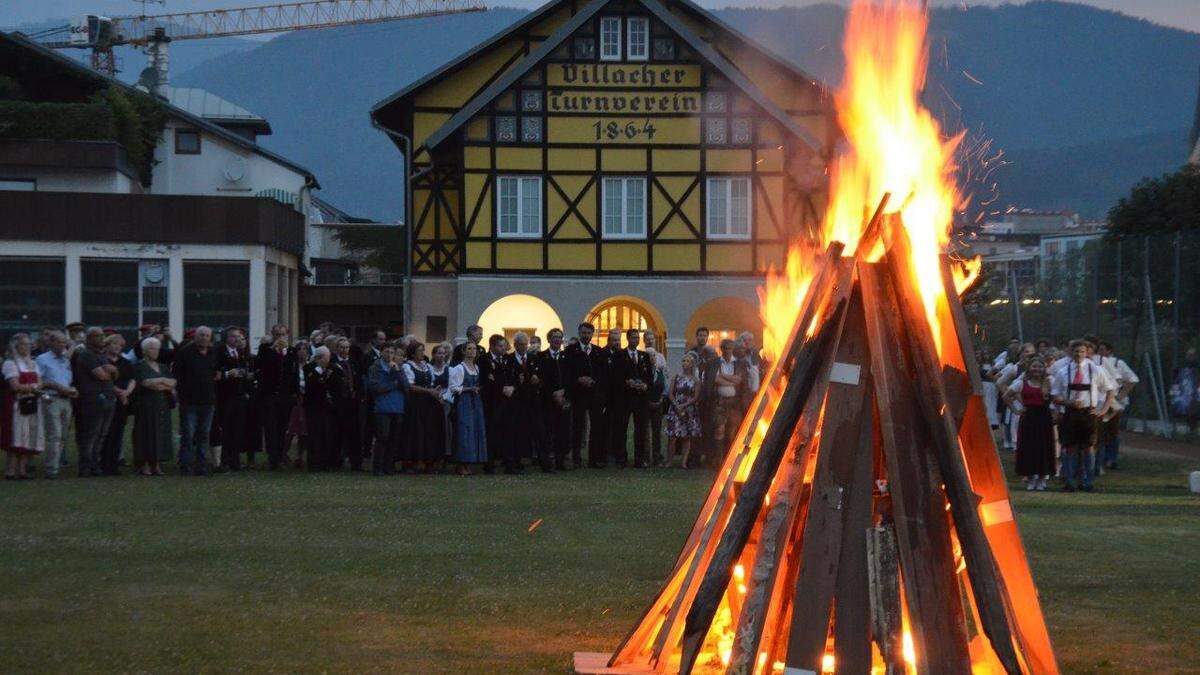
[427, 574]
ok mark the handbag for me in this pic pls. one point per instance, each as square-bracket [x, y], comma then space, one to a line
[27, 405]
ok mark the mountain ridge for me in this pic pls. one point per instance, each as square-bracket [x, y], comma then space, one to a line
[1064, 91]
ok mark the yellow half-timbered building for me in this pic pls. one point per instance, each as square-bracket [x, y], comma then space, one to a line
[637, 163]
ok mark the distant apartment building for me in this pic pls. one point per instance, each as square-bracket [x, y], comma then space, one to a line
[204, 227]
[1024, 244]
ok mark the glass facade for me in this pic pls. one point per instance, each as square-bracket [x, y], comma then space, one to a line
[110, 295]
[216, 294]
[32, 295]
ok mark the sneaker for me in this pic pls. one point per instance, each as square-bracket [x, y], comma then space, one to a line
[1031, 485]
[1041, 485]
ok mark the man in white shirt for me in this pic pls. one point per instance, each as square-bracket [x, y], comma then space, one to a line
[1110, 429]
[1008, 374]
[1086, 392]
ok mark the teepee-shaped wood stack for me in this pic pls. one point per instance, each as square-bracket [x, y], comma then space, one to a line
[861, 523]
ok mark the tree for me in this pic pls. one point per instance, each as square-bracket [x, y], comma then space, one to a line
[382, 247]
[1170, 203]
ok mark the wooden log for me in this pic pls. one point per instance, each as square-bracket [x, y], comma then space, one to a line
[883, 578]
[697, 549]
[986, 584]
[937, 622]
[787, 503]
[841, 437]
[852, 608]
[745, 512]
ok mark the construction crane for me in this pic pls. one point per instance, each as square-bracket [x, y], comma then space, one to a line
[101, 34]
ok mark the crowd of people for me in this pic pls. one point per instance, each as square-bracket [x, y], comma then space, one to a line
[1060, 409]
[387, 406]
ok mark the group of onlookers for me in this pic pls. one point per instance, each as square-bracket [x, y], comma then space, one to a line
[389, 405]
[1060, 409]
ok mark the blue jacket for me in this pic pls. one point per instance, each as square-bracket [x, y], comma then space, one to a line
[388, 386]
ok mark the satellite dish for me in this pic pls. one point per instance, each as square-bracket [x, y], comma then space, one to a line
[148, 79]
[234, 170]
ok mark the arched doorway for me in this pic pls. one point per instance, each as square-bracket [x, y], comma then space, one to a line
[518, 313]
[725, 318]
[625, 312]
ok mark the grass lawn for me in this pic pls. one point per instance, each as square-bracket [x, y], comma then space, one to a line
[349, 573]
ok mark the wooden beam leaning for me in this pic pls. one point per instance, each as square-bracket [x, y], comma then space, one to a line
[837, 457]
[932, 403]
[937, 622]
[788, 502]
[803, 377]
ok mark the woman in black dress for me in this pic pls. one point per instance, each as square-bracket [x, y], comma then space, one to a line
[424, 434]
[1035, 431]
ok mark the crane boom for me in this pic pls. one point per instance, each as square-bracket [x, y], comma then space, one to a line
[101, 33]
[281, 17]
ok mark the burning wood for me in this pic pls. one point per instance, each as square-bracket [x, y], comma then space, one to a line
[862, 501]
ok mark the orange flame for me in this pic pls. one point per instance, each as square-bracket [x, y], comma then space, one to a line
[893, 145]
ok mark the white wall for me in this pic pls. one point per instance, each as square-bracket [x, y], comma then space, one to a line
[203, 174]
[52, 179]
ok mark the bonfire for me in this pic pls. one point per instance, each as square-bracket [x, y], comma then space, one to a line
[860, 522]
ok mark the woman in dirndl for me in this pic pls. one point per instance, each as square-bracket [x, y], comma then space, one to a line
[21, 434]
[1035, 432]
[470, 432]
[424, 435]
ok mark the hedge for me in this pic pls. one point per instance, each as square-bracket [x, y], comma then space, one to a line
[92, 121]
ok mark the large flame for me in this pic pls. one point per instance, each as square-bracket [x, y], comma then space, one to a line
[892, 146]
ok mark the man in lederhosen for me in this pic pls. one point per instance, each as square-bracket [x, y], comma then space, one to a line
[1085, 391]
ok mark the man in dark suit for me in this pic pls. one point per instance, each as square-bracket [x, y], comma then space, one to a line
[526, 417]
[234, 382]
[275, 396]
[474, 336]
[554, 373]
[321, 379]
[366, 408]
[498, 386]
[346, 400]
[586, 374]
[632, 375]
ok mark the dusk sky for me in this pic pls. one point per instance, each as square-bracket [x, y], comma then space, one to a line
[1178, 13]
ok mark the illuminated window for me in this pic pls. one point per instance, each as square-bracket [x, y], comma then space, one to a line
[519, 206]
[638, 48]
[728, 208]
[610, 38]
[624, 213]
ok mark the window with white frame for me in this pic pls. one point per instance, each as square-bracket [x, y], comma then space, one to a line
[638, 46]
[728, 207]
[624, 207]
[518, 206]
[610, 38]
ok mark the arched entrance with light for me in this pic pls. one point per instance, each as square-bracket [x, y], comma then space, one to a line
[725, 318]
[625, 312]
[517, 313]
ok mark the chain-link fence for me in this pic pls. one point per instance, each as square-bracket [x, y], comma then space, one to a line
[1142, 294]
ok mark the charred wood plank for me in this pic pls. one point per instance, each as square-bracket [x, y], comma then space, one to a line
[837, 455]
[807, 365]
[883, 578]
[851, 604]
[936, 618]
[986, 584]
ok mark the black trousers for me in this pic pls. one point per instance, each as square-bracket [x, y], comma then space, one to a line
[348, 438]
[500, 428]
[275, 410]
[366, 425]
[233, 412]
[114, 440]
[556, 436]
[619, 432]
[589, 413]
[323, 448]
